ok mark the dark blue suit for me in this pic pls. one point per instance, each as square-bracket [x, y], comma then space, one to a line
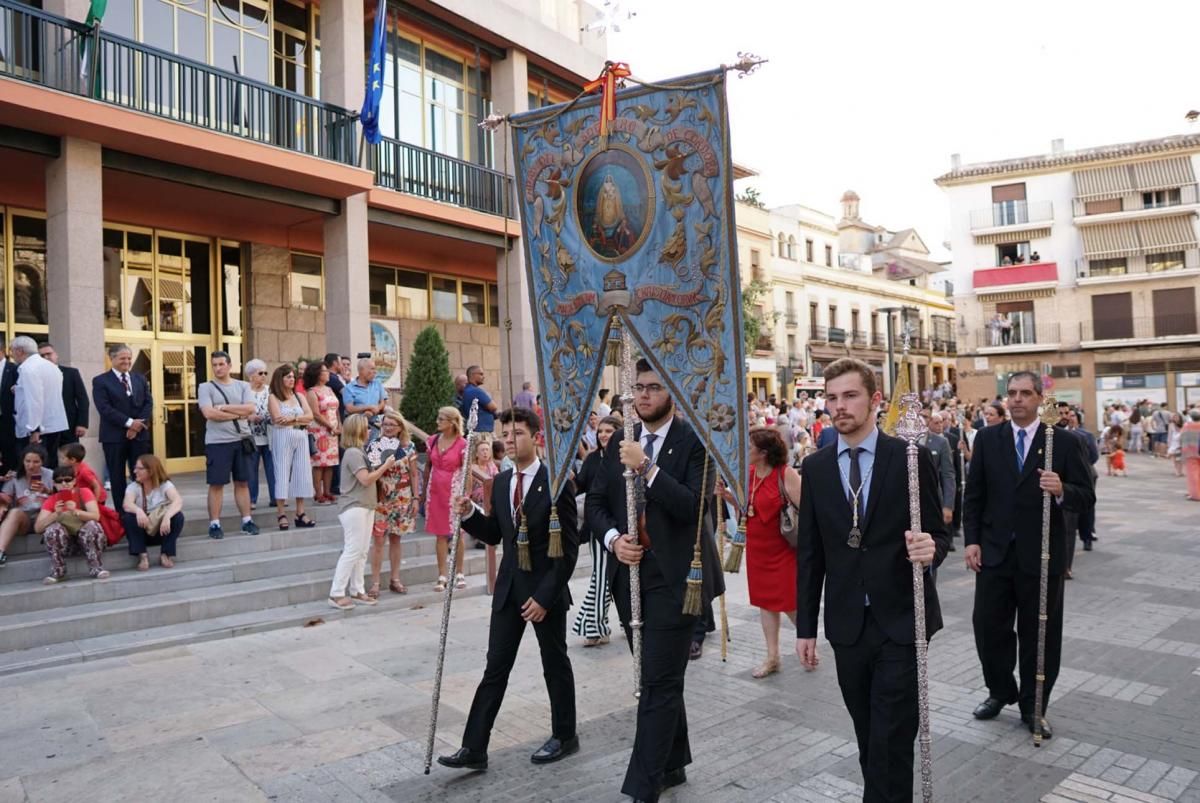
[8, 419]
[114, 407]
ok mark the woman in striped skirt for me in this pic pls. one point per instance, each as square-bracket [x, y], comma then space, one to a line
[591, 621]
[290, 417]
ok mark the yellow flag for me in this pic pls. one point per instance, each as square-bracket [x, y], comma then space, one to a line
[902, 387]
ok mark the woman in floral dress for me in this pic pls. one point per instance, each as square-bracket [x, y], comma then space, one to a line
[396, 509]
[324, 430]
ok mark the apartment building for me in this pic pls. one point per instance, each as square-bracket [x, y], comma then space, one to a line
[1080, 265]
[192, 178]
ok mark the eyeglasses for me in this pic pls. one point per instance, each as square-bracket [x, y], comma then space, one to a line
[651, 388]
[64, 482]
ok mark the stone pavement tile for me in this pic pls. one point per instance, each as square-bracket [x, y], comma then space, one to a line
[319, 664]
[266, 762]
[314, 785]
[336, 703]
[255, 733]
[11, 791]
[193, 772]
[166, 725]
[60, 737]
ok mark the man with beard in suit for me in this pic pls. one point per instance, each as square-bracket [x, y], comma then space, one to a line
[74, 394]
[856, 544]
[1002, 528]
[538, 595]
[669, 460]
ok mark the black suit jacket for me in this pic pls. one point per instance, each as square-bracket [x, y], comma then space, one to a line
[880, 568]
[547, 583]
[672, 508]
[8, 417]
[1003, 509]
[75, 398]
[115, 407]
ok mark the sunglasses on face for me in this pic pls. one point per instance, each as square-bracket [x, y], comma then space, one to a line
[64, 482]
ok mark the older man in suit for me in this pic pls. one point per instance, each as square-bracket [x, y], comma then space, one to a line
[669, 461]
[74, 395]
[124, 404]
[41, 416]
[1002, 527]
[943, 460]
[855, 544]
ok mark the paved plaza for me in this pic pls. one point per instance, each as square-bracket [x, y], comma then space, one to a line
[338, 711]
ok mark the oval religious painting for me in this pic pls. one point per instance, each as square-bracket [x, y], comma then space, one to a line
[614, 203]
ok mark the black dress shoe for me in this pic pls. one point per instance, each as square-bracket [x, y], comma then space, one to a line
[1047, 733]
[674, 778]
[464, 759]
[1087, 546]
[696, 651]
[555, 750]
[990, 708]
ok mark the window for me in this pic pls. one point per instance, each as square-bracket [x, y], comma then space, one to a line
[1156, 263]
[812, 320]
[1118, 266]
[305, 282]
[833, 319]
[445, 298]
[1104, 206]
[791, 248]
[1112, 316]
[412, 295]
[29, 270]
[493, 305]
[808, 250]
[1160, 198]
[1012, 253]
[474, 302]
[294, 58]
[782, 246]
[381, 291]
[854, 321]
[755, 266]
[1020, 317]
[791, 347]
[1008, 205]
[829, 256]
[1066, 371]
[1175, 312]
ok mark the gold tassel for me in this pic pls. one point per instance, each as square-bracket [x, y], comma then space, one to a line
[733, 563]
[695, 585]
[555, 550]
[524, 561]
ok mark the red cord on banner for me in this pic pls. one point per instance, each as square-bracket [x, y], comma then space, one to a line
[613, 72]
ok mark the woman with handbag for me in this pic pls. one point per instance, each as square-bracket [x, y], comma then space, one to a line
[772, 516]
[153, 513]
[290, 417]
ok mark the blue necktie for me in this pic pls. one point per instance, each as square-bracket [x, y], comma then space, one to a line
[1020, 450]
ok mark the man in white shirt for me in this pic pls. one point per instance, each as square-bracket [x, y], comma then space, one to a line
[41, 416]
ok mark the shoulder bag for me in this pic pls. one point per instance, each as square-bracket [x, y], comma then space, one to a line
[248, 445]
[789, 517]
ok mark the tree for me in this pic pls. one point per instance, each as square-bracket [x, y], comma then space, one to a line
[756, 322]
[427, 384]
[751, 198]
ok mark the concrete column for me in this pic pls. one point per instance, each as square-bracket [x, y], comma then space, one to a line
[347, 284]
[343, 52]
[75, 265]
[518, 360]
[71, 9]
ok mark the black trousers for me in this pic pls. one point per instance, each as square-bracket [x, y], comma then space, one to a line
[504, 638]
[878, 679]
[1004, 593]
[139, 539]
[660, 743]
[119, 458]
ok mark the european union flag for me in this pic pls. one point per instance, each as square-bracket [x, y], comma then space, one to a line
[374, 91]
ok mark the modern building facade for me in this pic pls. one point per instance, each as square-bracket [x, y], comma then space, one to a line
[1081, 265]
[191, 177]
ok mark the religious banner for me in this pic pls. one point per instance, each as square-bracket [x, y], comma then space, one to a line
[627, 211]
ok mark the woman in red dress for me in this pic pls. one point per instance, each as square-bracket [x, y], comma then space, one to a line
[770, 559]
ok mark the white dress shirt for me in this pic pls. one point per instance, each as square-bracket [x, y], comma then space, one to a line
[660, 437]
[1030, 434]
[39, 403]
[526, 477]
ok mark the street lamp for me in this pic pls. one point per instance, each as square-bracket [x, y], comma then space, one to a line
[891, 371]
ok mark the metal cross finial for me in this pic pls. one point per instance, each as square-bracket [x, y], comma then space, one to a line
[492, 121]
[746, 64]
[911, 425]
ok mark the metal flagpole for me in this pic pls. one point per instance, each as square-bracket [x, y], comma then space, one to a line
[910, 427]
[456, 490]
[629, 413]
[1049, 416]
[721, 553]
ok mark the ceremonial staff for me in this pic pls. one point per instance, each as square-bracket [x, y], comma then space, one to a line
[456, 491]
[1049, 417]
[910, 427]
[632, 500]
[962, 458]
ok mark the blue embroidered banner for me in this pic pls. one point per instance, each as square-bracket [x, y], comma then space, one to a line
[638, 224]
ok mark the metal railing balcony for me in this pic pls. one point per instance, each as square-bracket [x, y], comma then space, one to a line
[878, 340]
[791, 318]
[410, 168]
[61, 54]
[1137, 265]
[1019, 334]
[1012, 213]
[858, 338]
[818, 334]
[1138, 201]
[1177, 325]
[764, 343]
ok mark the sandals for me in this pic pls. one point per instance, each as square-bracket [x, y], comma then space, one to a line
[595, 641]
[440, 585]
[397, 587]
[364, 599]
[166, 561]
[282, 521]
[460, 581]
[304, 521]
[373, 591]
[342, 604]
[765, 669]
[143, 564]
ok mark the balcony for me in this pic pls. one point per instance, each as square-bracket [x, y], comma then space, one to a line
[858, 339]
[791, 318]
[1156, 330]
[46, 50]
[945, 345]
[1011, 214]
[1136, 204]
[415, 170]
[878, 340]
[1137, 267]
[1022, 337]
[818, 334]
[1008, 275]
[764, 344]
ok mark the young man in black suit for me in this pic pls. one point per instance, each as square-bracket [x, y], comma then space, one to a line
[539, 596]
[855, 542]
[74, 395]
[1002, 528]
[669, 460]
[124, 404]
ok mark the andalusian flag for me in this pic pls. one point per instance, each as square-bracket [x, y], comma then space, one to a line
[96, 13]
[91, 40]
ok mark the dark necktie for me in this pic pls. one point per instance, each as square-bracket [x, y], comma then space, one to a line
[518, 495]
[125, 382]
[643, 536]
[1020, 450]
[649, 450]
[855, 495]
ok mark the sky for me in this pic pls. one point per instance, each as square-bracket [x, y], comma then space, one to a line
[874, 96]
